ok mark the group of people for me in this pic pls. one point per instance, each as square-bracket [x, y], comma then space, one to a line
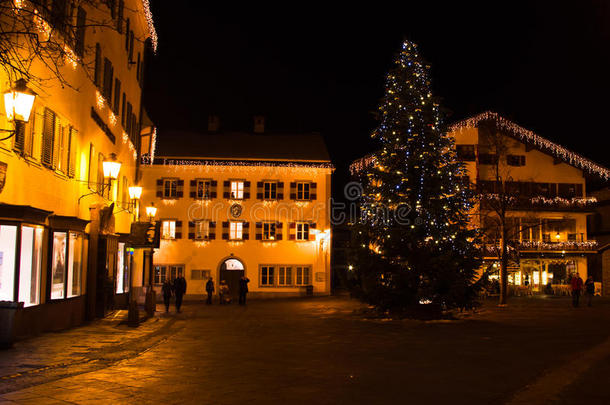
[224, 296]
[177, 288]
[577, 286]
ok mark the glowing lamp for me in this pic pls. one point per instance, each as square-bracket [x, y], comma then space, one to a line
[18, 102]
[151, 211]
[557, 236]
[135, 192]
[111, 167]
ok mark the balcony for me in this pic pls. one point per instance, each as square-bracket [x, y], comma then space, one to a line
[561, 247]
[540, 203]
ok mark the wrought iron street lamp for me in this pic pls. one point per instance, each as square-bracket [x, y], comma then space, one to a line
[135, 192]
[151, 211]
[18, 103]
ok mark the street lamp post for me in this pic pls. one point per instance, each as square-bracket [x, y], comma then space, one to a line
[151, 211]
[18, 103]
[135, 192]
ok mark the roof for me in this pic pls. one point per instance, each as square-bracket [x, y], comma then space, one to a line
[242, 145]
[545, 145]
[518, 132]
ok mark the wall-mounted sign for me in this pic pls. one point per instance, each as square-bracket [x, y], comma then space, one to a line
[236, 210]
[145, 234]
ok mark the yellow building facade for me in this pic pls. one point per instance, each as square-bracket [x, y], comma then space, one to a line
[548, 208]
[233, 204]
[64, 251]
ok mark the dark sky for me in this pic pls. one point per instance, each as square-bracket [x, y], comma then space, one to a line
[310, 67]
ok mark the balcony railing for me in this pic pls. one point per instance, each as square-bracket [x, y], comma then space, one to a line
[540, 203]
[541, 246]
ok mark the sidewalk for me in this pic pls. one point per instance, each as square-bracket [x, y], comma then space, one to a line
[85, 348]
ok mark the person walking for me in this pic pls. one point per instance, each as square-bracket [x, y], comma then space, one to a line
[179, 290]
[243, 289]
[209, 288]
[589, 290]
[576, 284]
[166, 290]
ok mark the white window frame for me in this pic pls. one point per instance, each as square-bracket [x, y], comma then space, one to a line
[202, 230]
[206, 189]
[173, 191]
[269, 275]
[302, 231]
[270, 190]
[167, 271]
[269, 231]
[236, 230]
[299, 275]
[237, 190]
[285, 274]
[168, 229]
[303, 190]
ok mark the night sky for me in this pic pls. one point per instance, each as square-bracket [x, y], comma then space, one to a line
[308, 67]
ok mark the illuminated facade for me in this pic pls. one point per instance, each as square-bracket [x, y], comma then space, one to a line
[63, 225]
[547, 203]
[233, 204]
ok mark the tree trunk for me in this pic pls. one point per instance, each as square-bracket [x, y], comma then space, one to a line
[503, 267]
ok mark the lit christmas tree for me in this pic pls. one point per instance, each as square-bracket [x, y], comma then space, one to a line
[412, 244]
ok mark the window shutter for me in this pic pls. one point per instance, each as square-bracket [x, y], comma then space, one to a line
[293, 190]
[72, 152]
[292, 230]
[97, 75]
[48, 133]
[178, 229]
[119, 20]
[160, 188]
[280, 190]
[258, 231]
[19, 137]
[127, 27]
[213, 186]
[246, 231]
[225, 230]
[278, 230]
[180, 188]
[192, 194]
[246, 190]
[259, 190]
[226, 189]
[57, 144]
[212, 234]
[79, 45]
[91, 174]
[117, 96]
[191, 230]
[312, 191]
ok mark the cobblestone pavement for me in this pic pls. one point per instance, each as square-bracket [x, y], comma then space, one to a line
[318, 350]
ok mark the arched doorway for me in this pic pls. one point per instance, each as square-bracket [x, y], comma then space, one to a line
[231, 270]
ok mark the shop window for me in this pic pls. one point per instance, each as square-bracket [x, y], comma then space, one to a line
[8, 240]
[30, 265]
[302, 231]
[168, 230]
[303, 275]
[270, 190]
[75, 268]
[303, 190]
[284, 276]
[267, 276]
[58, 265]
[236, 230]
[237, 190]
[120, 269]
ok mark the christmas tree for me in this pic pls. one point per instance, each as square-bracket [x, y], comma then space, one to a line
[412, 244]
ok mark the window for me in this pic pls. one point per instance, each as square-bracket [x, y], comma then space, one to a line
[200, 274]
[302, 276]
[303, 191]
[237, 190]
[75, 268]
[108, 78]
[48, 136]
[236, 230]
[100, 174]
[8, 240]
[168, 230]
[270, 190]
[97, 75]
[267, 276]
[284, 276]
[202, 229]
[488, 159]
[170, 188]
[160, 274]
[203, 189]
[465, 153]
[117, 96]
[302, 231]
[79, 40]
[58, 265]
[120, 268]
[167, 272]
[269, 230]
[515, 160]
[30, 265]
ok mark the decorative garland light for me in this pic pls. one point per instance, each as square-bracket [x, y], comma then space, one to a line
[153, 145]
[541, 200]
[565, 245]
[234, 163]
[533, 138]
[151, 24]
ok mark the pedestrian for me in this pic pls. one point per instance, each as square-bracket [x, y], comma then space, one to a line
[243, 289]
[166, 290]
[209, 288]
[223, 293]
[179, 290]
[576, 284]
[589, 290]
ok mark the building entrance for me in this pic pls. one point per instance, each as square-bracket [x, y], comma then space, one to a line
[231, 270]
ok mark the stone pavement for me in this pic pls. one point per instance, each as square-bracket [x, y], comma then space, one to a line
[323, 350]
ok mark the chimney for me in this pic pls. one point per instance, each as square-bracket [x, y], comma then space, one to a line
[259, 124]
[213, 123]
